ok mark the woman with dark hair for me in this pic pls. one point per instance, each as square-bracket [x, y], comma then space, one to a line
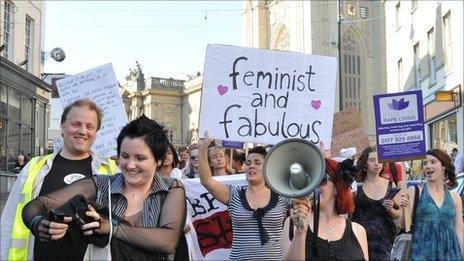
[168, 168]
[374, 211]
[337, 237]
[257, 214]
[148, 212]
[438, 223]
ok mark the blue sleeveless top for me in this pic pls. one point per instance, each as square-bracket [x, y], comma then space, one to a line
[434, 236]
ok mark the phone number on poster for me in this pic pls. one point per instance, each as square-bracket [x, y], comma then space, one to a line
[411, 136]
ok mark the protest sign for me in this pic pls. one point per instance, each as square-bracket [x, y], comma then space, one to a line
[212, 231]
[265, 96]
[399, 122]
[232, 144]
[348, 132]
[100, 85]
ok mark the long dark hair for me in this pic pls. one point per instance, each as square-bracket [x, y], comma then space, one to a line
[362, 163]
[446, 162]
[175, 157]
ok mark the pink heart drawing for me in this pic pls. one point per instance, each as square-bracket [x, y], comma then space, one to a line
[222, 89]
[316, 104]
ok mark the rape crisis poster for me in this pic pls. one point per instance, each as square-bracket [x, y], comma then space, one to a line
[265, 96]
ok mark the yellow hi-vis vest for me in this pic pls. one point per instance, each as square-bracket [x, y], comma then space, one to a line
[20, 233]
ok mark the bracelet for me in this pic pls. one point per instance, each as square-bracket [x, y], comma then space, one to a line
[115, 226]
[34, 222]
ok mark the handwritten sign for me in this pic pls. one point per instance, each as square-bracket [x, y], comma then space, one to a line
[348, 132]
[100, 85]
[264, 96]
[212, 233]
[399, 122]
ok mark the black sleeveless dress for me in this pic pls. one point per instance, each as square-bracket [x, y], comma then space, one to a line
[347, 248]
[379, 226]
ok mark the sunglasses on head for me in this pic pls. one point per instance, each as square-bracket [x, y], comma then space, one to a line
[325, 179]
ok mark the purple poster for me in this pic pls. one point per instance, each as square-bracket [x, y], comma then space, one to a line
[399, 122]
[232, 144]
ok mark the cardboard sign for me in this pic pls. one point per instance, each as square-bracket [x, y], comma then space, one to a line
[264, 96]
[100, 85]
[348, 132]
[399, 122]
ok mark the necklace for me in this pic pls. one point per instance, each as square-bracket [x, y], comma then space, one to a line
[331, 230]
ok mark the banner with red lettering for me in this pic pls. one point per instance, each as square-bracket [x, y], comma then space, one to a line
[210, 237]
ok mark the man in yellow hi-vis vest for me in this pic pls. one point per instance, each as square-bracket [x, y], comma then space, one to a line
[80, 122]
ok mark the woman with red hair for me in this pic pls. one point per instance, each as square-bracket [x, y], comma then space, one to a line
[337, 237]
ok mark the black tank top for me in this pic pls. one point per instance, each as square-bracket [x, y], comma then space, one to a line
[347, 248]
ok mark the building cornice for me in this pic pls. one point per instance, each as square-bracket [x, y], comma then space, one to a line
[8, 65]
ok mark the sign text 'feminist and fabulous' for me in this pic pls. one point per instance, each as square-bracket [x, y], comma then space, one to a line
[264, 96]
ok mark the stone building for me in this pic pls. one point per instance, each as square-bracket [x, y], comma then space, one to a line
[24, 97]
[175, 103]
[311, 27]
[425, 52]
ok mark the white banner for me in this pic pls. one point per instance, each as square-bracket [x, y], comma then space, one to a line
[100, 85]
[211, 234]
[264, 96]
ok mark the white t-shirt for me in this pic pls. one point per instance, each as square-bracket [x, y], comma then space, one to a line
[176, 173]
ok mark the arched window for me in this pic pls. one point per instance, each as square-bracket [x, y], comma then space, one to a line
[351, 70]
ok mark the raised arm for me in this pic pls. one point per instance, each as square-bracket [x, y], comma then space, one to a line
[165, 237]
[216, 188]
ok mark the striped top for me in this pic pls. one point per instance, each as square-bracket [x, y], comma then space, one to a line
[148, 217]
[247, 241]
[152, 205]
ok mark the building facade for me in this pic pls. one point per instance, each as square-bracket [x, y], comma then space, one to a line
[175, 103]
[24, 97]
[312, 27]
[425, 52]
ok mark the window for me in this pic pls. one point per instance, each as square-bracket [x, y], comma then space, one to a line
[447, 42]
[29, 43]
[26, 109]
[13, 144]
[7, 22]
[417, 69]
[14, 103]
[3, 100]
[431, 52]
[398, 15]
[351, 76]
[400, 74]
[444, 133]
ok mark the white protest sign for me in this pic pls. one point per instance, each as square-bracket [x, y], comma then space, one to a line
[264, 96]
[100, 85]
[212, 231]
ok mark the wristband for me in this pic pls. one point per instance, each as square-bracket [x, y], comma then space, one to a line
[34, 221]
[115, 226]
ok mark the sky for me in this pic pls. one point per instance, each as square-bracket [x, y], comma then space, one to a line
[167, 38]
